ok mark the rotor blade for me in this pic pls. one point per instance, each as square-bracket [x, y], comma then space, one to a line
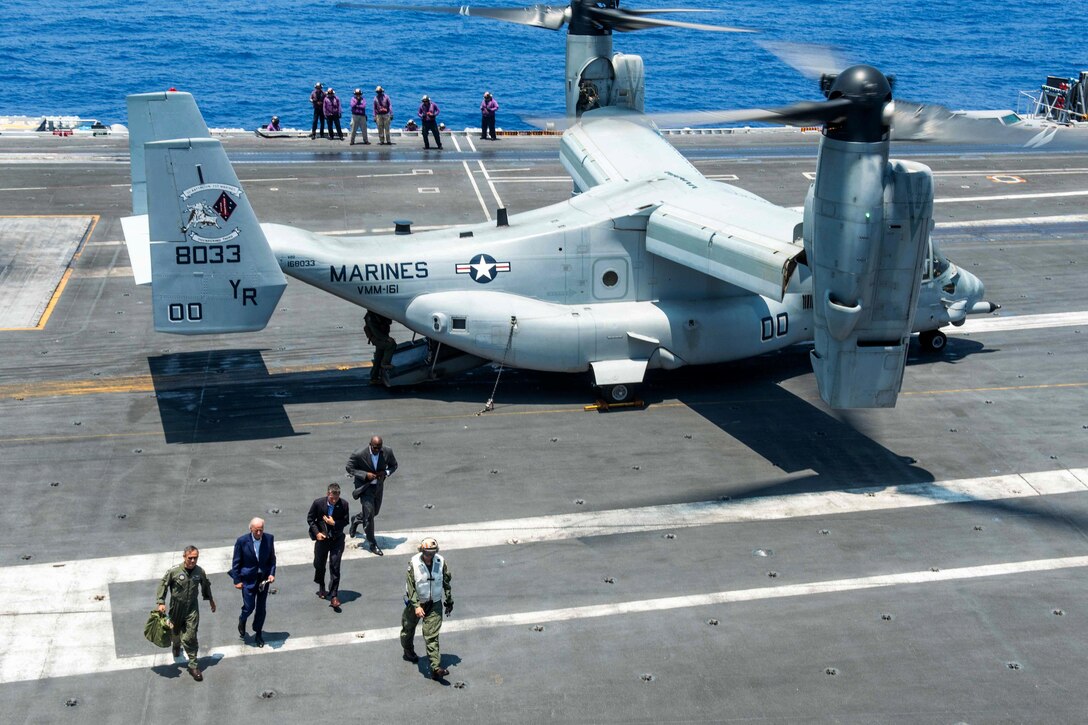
[537, 16]
[623, 21]
[814, 113]
[808, 113]
[936, 124]
[656, 11]
[809, 59]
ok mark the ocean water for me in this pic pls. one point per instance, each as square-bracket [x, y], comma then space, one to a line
[245, 60]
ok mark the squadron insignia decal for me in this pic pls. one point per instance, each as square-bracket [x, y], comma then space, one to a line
[483, 268]
[225, 206]
[202, 215]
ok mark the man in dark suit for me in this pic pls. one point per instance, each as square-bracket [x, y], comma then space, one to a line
[253, 569]
[370, 467]
[327, 518]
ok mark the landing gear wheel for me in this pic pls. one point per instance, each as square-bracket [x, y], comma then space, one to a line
[933, 341]
[617, 393]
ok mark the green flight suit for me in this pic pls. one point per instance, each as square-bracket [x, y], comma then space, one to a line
[377, 328]
[184, 585]
[432, 620]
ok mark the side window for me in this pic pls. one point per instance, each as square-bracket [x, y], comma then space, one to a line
[768, 328]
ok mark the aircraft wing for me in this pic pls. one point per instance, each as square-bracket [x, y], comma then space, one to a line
[754, 248]
[714, 228]
[617, 144]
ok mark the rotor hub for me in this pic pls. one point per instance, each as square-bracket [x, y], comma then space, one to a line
[869, 91]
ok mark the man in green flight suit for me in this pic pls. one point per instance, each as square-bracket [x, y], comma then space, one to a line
[427, 585]
[376, 328]
[184, 582]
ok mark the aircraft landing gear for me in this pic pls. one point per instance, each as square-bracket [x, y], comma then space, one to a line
[617, 393]
[932, 341]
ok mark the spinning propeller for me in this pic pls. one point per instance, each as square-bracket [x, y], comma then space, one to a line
[854, 94]
[583, 16]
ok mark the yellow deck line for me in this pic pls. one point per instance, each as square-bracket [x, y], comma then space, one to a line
[146, 384]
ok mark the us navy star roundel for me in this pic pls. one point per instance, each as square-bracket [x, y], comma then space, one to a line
[483, 268]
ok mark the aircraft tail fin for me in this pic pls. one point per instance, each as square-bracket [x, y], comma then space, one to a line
[157, 117]
[212, 269]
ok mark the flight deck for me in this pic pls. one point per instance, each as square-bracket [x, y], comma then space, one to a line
[734, 550]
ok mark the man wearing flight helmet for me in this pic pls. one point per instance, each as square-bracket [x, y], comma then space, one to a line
[426, 588]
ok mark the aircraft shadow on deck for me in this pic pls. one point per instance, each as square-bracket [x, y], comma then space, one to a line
[229, 395]
[796, 435]
[219, 396]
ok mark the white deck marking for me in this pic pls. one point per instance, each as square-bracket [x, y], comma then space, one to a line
[529, 179]
[1015, 221]
[255, 181]
[456, 146]
[476, 188]
[471, 145]
[1023, 322]
[1017, 172]
[99, 654]
[490, 184]
[413, 172]
[48, 611]
[1009, 197]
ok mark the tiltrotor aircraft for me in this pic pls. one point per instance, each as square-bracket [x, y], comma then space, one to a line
[649, 264]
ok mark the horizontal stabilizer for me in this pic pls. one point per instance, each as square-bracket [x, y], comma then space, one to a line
[751, 260]
[212, 269]
[138, 241]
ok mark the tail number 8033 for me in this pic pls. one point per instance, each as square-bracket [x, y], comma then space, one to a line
[208, 254]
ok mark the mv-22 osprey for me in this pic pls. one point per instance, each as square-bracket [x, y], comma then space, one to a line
[649, 265]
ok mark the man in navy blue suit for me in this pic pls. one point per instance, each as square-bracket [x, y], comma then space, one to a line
[253, 569]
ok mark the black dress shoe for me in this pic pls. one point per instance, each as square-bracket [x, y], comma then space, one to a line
[375, 549]
[176, 650]
[258, 639]
[321, 594]
[410, 656]
[196, 674]
[355, 524]
[439, 673]
[241, 629]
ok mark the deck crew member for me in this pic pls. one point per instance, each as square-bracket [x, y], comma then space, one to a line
[426, 588]
[358, 117]
[376, 328]
[332, 115]
[317, 100]
[383, 115]
[488, 106]
[428, 116]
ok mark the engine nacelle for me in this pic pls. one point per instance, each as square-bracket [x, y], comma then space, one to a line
[867, 221]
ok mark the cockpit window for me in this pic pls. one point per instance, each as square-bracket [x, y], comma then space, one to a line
[940, 264]
[1010, 119]
[936, 263]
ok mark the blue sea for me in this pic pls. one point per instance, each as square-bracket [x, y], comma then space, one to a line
[246, 60]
